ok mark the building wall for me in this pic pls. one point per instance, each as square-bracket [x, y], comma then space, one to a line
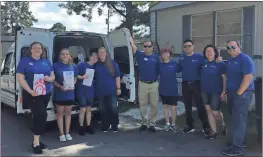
[169, 21]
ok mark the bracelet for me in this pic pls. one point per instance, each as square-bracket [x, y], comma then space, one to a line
[118, 89]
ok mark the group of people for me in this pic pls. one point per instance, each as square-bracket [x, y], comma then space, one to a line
[206, 79]
[107, 87]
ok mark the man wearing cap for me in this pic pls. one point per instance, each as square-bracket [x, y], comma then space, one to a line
[148, 64]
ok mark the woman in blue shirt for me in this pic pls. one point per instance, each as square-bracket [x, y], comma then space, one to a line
[107, 87]
[64, 95]
[168, 88]
[37, 101]
[85, 93]
[213, 88]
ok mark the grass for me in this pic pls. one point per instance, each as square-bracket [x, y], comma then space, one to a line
[252, 132]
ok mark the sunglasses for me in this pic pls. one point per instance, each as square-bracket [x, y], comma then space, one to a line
[187, 46]
[231, 47]
[147, 46]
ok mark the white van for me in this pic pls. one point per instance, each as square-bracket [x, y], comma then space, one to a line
[117, 44]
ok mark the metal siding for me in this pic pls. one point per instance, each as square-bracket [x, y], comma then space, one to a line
[248, 30]
[214, 27]
[153, 26]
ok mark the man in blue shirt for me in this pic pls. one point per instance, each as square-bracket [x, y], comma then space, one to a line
[240, 86]
[190, 64]
[148, 65]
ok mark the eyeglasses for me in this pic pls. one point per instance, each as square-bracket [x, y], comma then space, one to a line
[187, 46]
[231, 47]
[147, 46]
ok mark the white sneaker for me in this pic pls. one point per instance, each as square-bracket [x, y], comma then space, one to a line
[62, 138]
[68, 137]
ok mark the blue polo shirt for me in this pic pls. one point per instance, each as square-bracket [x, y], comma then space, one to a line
[168, 82]
[211, 77]
[60, 95]
[29, 66]
[148, 66]
[105, 84]
[236, 69]
[82, 90]
[190, 66]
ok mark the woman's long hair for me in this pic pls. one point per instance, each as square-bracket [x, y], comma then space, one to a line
[43, 54]
[108, 61]
[70, 61]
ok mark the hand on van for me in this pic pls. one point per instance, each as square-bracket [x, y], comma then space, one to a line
[118, 92]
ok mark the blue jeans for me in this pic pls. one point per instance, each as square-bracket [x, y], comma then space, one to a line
[108, 111]
[238, 107]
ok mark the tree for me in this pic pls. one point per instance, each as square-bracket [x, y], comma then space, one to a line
[58, 27]
[133, 15]
[14, 14]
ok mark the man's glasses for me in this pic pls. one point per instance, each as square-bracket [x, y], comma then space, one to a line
[147, 46]
[187, 46]
[231, 47]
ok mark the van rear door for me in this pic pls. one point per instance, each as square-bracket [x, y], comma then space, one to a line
[25, 36]
[121, 51]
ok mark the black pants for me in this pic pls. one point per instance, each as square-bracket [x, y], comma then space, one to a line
[108, 112]
[38, 107]
[192, 90]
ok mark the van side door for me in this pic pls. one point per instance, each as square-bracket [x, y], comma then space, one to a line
[25, 36]
[121, 51]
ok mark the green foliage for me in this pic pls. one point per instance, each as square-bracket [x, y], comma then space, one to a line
[15, 13]
[58, 27]
[130, 11]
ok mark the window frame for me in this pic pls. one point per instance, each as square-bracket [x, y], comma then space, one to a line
[191, 30]
[241, 23]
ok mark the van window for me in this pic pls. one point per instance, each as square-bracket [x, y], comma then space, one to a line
[24, 52]
[79, 46]
[121, 56]
[7, 64]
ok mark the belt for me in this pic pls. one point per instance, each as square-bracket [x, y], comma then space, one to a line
[190, 82]
[148, 82]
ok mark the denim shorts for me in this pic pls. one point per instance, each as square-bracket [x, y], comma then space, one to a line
[213, 100]
[84, 101]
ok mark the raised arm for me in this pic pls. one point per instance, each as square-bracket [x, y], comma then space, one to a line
[134, 48]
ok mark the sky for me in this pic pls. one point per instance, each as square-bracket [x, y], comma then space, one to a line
[48, 13]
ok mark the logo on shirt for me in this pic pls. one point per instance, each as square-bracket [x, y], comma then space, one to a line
[146, 59]
[194, 61]
[171, 66]
[182, 58]
[30, 63]
[236, 63]
[205, 66]
[212, 66]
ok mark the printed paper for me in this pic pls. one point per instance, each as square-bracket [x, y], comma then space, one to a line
[39, 84]
[81, 57]
[68, 79]
[88, 81]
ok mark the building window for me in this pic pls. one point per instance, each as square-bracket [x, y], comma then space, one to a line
[228, 27]
[202, 30]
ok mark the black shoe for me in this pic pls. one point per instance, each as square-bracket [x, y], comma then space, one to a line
[207, 131]
[223, 130]
[42, 145]
[82, 131]
[212, 135]
[152, 129]
[229, 144]
[90, 130]
[188, 129]
[37, 149]
[115, 128]
[233, 151]
[143, 128]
